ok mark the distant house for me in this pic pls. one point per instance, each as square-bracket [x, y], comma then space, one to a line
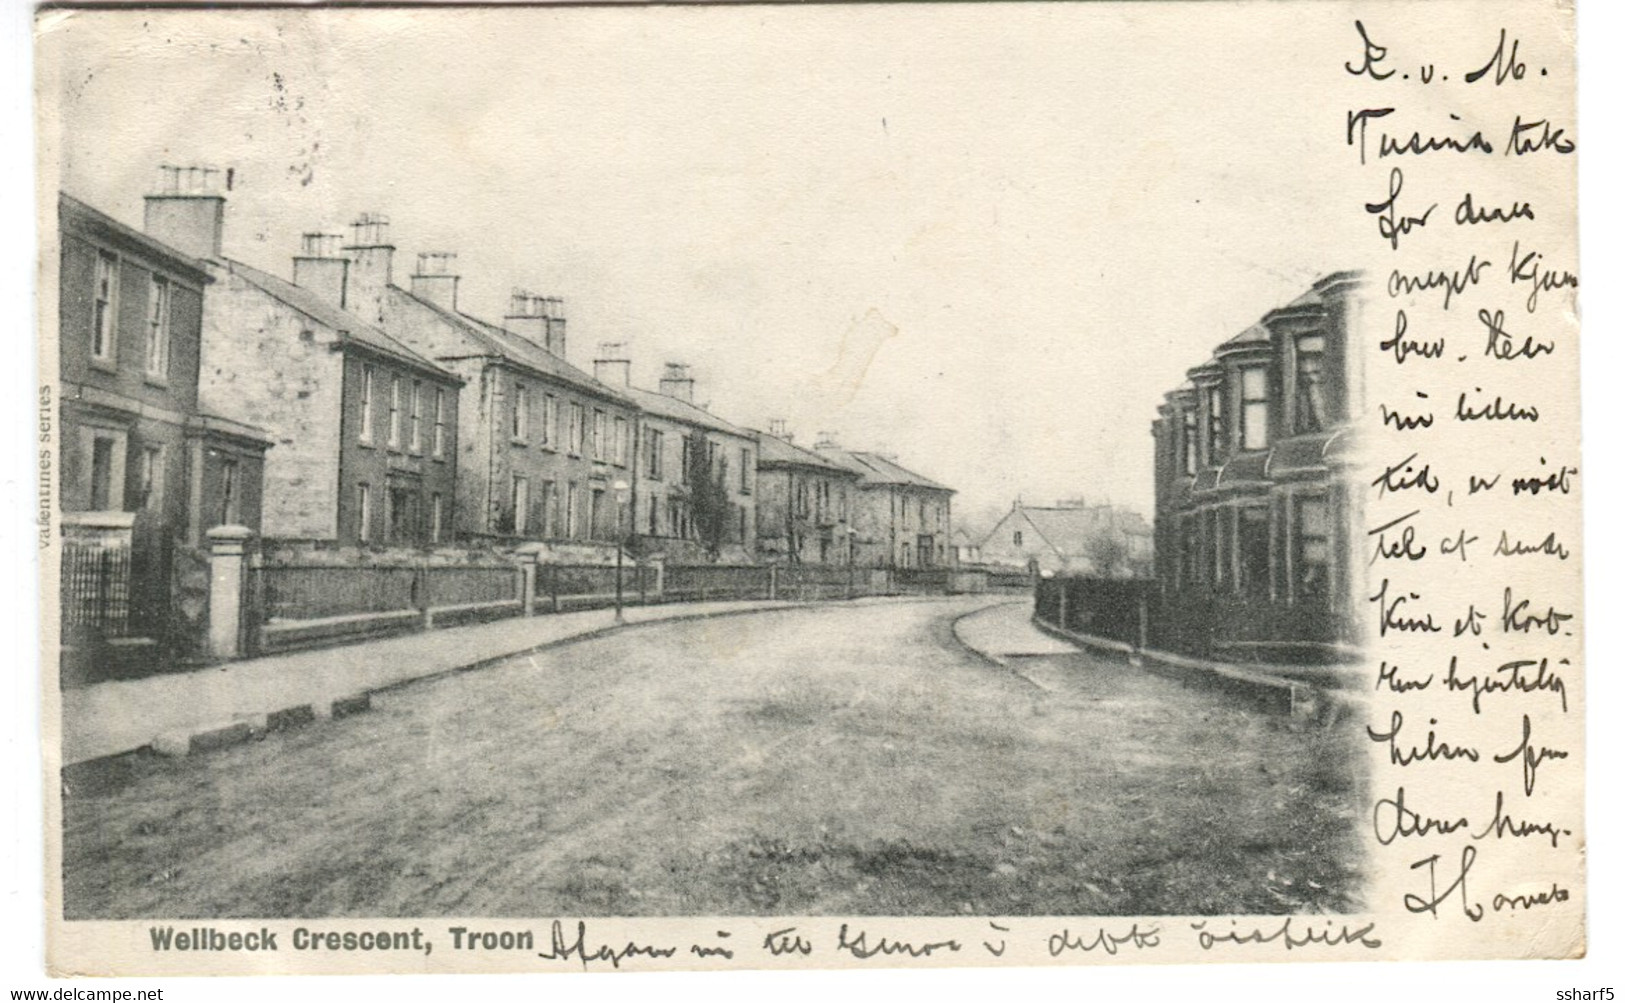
[365, 428]
[541, 443]
[1081, 539]
[678, 441]
[145, 469]
[901, 519]
[804, 503]
[967, 548]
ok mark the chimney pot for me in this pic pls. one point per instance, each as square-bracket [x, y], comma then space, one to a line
[188, 210]
[612, 366]
[436, 278]
[321, 245]
[537, 319]
[675, 382]
[372, 268]
[321, 266]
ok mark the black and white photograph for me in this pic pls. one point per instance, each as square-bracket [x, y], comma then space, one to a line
[556, 487]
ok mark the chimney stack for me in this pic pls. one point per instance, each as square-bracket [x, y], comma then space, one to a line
[188, 211]
[826, 440]
[372, 259]
[321, 266]
[675, 382]
[436, 279]
[537, 319]
[612, 366]
[778, 428]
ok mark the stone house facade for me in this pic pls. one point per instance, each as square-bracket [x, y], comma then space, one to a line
[673, 435]
[541, 443]
[900, 518]
[365, 428]
[804, 503]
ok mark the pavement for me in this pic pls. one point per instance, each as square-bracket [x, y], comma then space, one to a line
[1000, 633]
[180, 713]
[1007, 636]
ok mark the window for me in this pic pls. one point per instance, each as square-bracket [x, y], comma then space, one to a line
[570, 527]
[417, 416]
[548, 525]
[1253, 549]
[1016, 538]
[1255, 407]
[439, 422]
[1188, 443]
[394, 410]
[654, 515]
[366, 403]
[622, 441]
[102, 461]
[1190, 543]
[1311, 571]
[1218, 524]
[521, 412]
[521, 505]
[363, 503]
[550, 421]
[158, 328]
[437, 517]
[688, 459]
[1310, 406]
[150, 477]
[745, 469]
[1215, 426]
[596, 519]
[578, 428]
[228, 492]
[101, 333]
[599, 446]
[655, 468]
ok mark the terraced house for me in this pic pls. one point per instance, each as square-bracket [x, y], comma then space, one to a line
[542, 444]
[900, 518]
[146, 469]
[694, 493]
[804, 503]
[1255, 500]
[365, 428]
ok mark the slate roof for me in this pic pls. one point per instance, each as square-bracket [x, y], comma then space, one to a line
[774, 451]
[96, 220]
[1069, 530]
[877, 470]
[328, 315]
[666, 406]
[501, 342]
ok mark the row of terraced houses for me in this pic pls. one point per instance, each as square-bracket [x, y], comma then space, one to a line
[346, 407]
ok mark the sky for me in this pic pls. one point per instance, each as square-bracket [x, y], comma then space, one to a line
[986, 239]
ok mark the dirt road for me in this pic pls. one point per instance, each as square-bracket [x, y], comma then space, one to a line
[843, 759]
